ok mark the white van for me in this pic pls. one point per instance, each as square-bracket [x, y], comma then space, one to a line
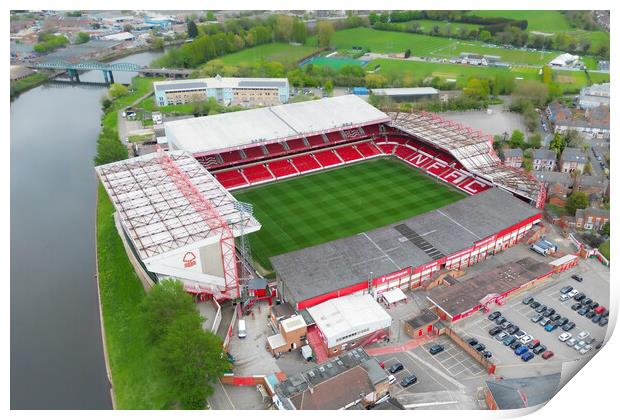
[241, 332]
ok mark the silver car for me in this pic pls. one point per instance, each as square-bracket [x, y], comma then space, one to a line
[571, 342]
[585, 349]
[564, 298]
[579, 345]
[501, 336]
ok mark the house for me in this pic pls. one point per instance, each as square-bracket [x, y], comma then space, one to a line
[594, 96]
[591, 218]
[592, 184]
[513, 158]
[543, 160]
[353, 378]
[593, 121]
[558, 184]
[572, 160]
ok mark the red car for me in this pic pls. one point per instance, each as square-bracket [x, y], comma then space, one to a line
[547, 355]
[599, 309]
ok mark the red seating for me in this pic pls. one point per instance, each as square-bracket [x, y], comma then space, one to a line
[327, 158]
[231, 178]
[403, 152]
[386, 148]
[255, 152]
[349, 153]
[473, 186]
[296, 144]
[371, 130]
[419, 160]
[316, 141]
[399, 140]
[282, 168]
[436, 168]
[257, 173]
[368, 149]
[231, 157]
[335, 137]
[275, 148]
[305, 163]
[454, 176]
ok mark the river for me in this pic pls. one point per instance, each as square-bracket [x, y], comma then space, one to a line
[56, 351]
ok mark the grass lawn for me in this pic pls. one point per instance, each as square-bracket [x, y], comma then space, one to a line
[537, 20]
[426, 45]
[427, 25]
[604, 248]
[135, 379]
[284, 53]
[322, 207]
[335, 63]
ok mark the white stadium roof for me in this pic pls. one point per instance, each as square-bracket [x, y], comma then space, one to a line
[160, 210]
[235, 130]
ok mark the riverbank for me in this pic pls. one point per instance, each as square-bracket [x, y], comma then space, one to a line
[31, 81]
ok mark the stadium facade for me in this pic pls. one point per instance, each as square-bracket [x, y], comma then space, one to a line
[169, 204]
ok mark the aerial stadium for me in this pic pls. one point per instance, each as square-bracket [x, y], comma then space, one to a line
[322, 198]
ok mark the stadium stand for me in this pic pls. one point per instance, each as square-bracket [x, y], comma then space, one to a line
[231, 158]
[257, 173]
[305, 163]
[254, 153]
[231, 178]
[327, 158]
[368, 149]
[316, 141]
[296, 144]
[282, 168]
[349, 153]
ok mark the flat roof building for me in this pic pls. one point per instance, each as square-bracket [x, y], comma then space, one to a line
[407, 94]
[226, 90]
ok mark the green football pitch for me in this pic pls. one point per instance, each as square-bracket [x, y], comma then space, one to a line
[321, 207]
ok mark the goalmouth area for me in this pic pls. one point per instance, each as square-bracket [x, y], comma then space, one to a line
[324, 206]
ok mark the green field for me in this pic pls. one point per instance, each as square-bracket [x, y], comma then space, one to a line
[313, 209]
[537, 20]
[284, 53]
[428, 46]
[335, 63]
[427, 25]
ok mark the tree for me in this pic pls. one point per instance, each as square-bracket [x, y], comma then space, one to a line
[165, 302]
[527, 164]
[325, 31]
[547, 75]
[373, 18]
[127, 27]
[328, 87]
[605, 229]
[300, 32]
[192, 29]
[535, 140]
[534, 90]
[191, 359]
[485, 36]
[577, 200]
[477, 88]
[82, 38]
[517, 139]
[407, 53]
[587, 168]
[558, 143]
[284, 28]
[210, 16]
[117, 90]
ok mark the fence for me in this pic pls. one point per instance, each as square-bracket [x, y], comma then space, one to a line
[229, 333]
[218, 317]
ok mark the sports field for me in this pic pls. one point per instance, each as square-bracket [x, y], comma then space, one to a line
[276, 51]
[317, 208]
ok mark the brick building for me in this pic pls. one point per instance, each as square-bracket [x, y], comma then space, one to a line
[513, 158]
[572, 160]
[543, 160]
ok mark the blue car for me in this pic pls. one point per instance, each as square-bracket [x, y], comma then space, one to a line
[521, 350]
[527, 356]
[550, 327]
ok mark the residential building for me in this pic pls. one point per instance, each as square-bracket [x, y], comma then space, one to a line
[592, 184]
[572, 160]
[543, 160]
[592, 122]
[594, 96]
[558, 184]
[351, 379]
[591, 218]
[513, 158]
[226, 90]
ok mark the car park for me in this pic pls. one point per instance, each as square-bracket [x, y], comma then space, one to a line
[590, 340]
[566, 289]
[576, 278]
[550, 327]
[584, 310]
[494, 315]
[408, 380]
[547, 355]
[583, 335]
[569, 326]
[564, 336]
[516, 345]
[555, 317]
[543, 322]
[397, 367]
[591, 314]
[549, 312]
[527, 300]
[573, 293]
[572, 341]
[576, 306]
[501, 336]
[526, 339]
[593, 305]
[581, 344]
[494, 331]
[435, 348]
[564, 298]
[579, 297]
[539, 349]
[512, 329]
[506, 325]
[603, 322]
[519, 334]
[537, 318]
[487, 354]
[586, 301]
[527, 356]
[520, 350]
[561, 322]
[391, 379]
[500, 320]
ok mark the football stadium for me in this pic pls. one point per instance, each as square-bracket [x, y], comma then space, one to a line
[322, 198]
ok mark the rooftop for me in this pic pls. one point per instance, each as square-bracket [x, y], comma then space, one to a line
[524, 392]
[406, 91]
[425, 317]
[472, 289]
[324, 268]
[543, 154]
[513, 153]
[159, 215]
[235, 130]
[222, 82]
[573, 154]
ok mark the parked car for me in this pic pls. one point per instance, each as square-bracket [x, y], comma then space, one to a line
[579, 297]
[577, 278]
[590, 340]
[581, 344]
[585, 349]
[603, 322]
[499, 320]
[572, 341]
[494, 331]
[533, 344]
[396, 367]
[534, 305]
[526, 339]
[576, 306]
[501, 336]
[564, 336]
[593, 305]
[569, 326]
[506, 324]
[494, 315]
[472, 342]
[539, 349]
[519, 334]
[573, 293]
[541, 309]
[591, 314]
[512, 329]
[391, 379]
[487, 354]
[537, 318]
[583, 335]
[556, 316]
[526, 357]
[516, 345]
[543, 322]
[566, 289]
[586, 301]
[479, 347]
[527, 300]
[564, 298]
[520, 350]
[408, 380]
[435, 348]
[584, 310]
[561, 322]
[550, 327]
[549, 312]
[547, 355]
[599, 310]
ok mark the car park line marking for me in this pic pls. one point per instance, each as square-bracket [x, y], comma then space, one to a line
[437, 371]
[226, 393]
